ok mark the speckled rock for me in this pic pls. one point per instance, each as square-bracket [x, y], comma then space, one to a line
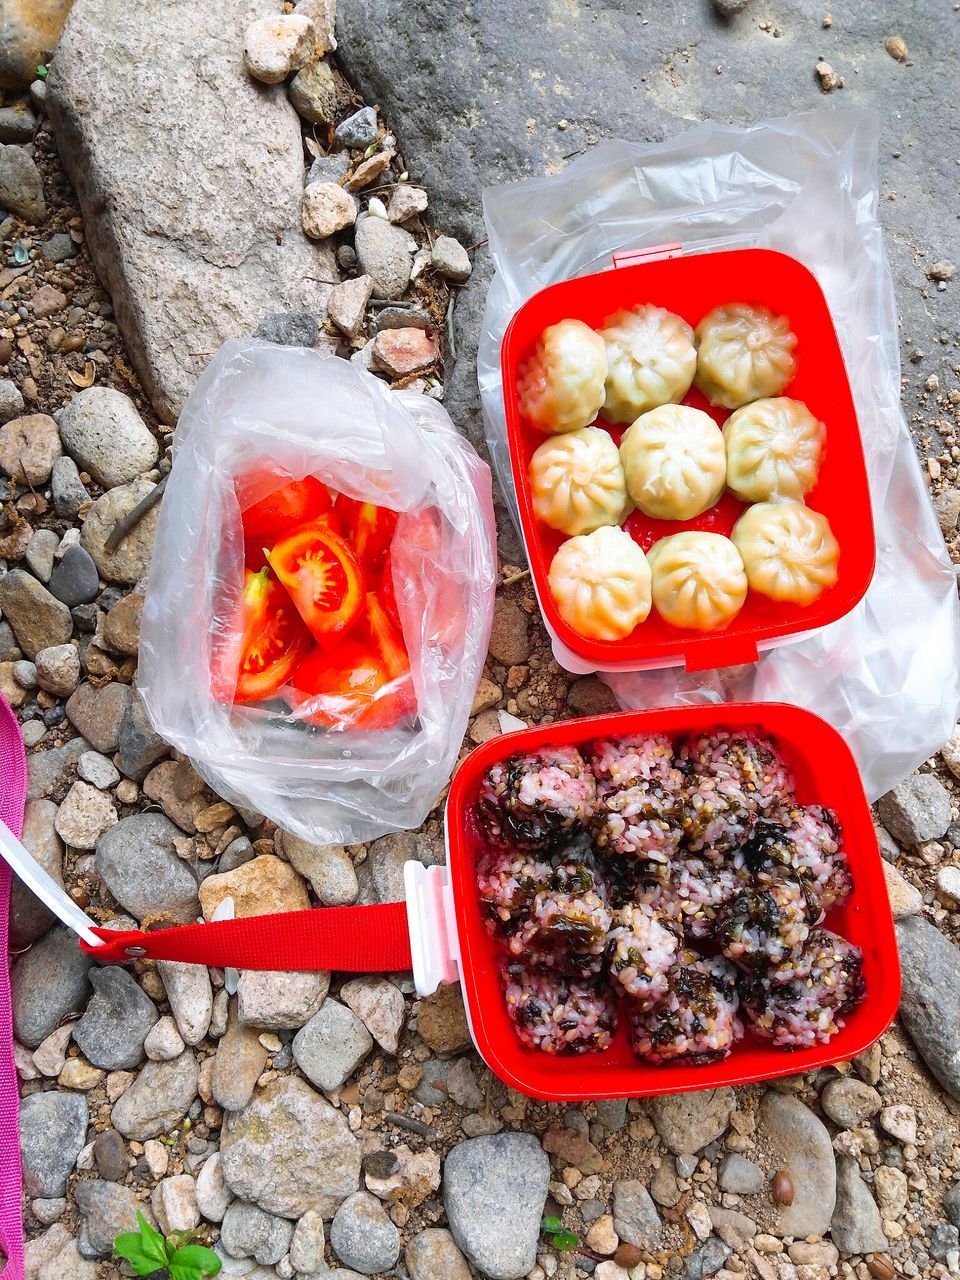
[363, 1237]
[84, 816]
[433, 1255]
[687, 1122]
[29, 447]
[105, 435]
[53, 1130]
[792, 1139]
[916, 810]
[98, 713]
[306, 1247]
[108, 1210]
[386, 255]
[635, 1216]
[930, 1002]
[119, 1016]
[380, 1007]
[261, 887]
[49, 983]
[38, 619]
[138, 862]
[190, 995]
[250, 1232]
[280, 1001]
[158, 1099]
[328, 867]
[330, 1047]
[131, 559]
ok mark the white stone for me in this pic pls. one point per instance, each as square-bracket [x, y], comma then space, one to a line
[327, 208]
[157, 1157]
[96, 769]
[900, 1121]
[948, 882]
[174, 1201]
[213, 1196]
[84, 816]
[380, 1007]
[58, 669]
[163, 1041]
[275, 46]
[190, 995]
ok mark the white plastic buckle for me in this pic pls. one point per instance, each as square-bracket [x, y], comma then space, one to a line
[433, 926]
[46, 889]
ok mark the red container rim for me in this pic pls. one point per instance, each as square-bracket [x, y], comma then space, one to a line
[825, 773]
[691, 286]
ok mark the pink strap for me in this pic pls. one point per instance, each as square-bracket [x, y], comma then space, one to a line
[13, 795]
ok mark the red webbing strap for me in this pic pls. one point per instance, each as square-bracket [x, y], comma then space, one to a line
[372, 939]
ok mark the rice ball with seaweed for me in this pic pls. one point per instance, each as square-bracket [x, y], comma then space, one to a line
[508, 880]
[639, 807]
[801, 1002]
[642, 950]
[692, 892]
[557, 1015]
[536, 799]
[804, 840]
[696, 1019]
[565, 926]
[764, 925]
[731, 779]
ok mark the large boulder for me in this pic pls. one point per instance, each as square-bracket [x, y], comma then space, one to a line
[190, 177]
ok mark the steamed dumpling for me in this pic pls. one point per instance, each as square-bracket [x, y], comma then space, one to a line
[698, 580]
[601, 583]
[577, 482]
[561, 386]
[651, 360]
[774, 448]
[674, 461]
[744, 353]
[789, 551]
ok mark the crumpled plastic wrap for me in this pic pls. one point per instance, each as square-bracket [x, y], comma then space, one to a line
[310, 413]
[887, 675]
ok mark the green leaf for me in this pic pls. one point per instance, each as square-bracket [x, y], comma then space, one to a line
[153, 1244]
[184, 1272]
[203, 1260]
[564, 1240]
[128, 1246]
[41, 72]
[551, 1224]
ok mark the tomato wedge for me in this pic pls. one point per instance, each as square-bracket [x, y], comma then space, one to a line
[291, 504]
[265, 642]
[368, 528]
[323, 578]
[400, 698]
[388, 593]
[342, 681]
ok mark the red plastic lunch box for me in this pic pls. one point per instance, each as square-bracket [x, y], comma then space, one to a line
[691, 286]
[449, 940]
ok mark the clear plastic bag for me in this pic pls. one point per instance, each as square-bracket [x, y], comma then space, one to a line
[314, 414]
[887, 675]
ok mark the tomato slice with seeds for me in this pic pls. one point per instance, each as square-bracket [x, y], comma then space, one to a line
[263, 646]
[368, 528]
[291, 504]
[342, 683]
[323, 578]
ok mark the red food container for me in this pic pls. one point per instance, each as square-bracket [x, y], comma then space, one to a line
[449, 939]
[690, 287]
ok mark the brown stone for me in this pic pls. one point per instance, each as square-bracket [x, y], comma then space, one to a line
[510, 634]
[261, 887]
[121, 631]
[441, 1020]
[47, 301]
[573, 1148]
[29, 30]
[366, 172]
[401, 352]
[29, 446]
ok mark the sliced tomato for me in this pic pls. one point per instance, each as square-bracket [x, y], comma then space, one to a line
[388, 593]
[291, 504]
[387, 641]
[323, 577]
[367, 527]
[262, 646]
[340, 683]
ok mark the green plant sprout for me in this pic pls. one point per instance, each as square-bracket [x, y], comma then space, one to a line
[560, 1239]
[148, 1252]
[41, 72]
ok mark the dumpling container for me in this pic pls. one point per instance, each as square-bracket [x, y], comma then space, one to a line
[449, 941]
[690, 287]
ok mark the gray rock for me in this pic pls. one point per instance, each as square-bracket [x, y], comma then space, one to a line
[433, 1089]
[401, 318]
[306, 1247]
[363, 1237]
[158, 1099]
[288, 329]
[49, 773]
[29, 917]
[138, 862]
[795, 1141]
[462, 1085]
[97, 713]
[385, 253]
[944, 1240]
[251, 1232]
[740, 1176]
[930, 1001]
[451, 259]
[319, 93]
[69, 492]
[59, 247]
[188, 264]
[17, 122]
[380, 1007]
[383, 870]
[280, 1001]
[108, 1210]
[40, 552]
[11, 401]
[53, 1130]
[707, 1259]
[328, 867]
[687, 1122]
[105, 435]
[237, 853]
[917, 810]
[635, 1217]
[139, 744]
[358, 131]
[849, 1102]
[190, 995]
[75, 579]
[9, 649]
[289, 1151]
[951, 1204]
[494, 1190]
[21, 190]
[856, 1226]
[112, 1031]
[38, 619]
[727, 8]
[50, 982]
[329, 168]
[433, 1255]
[128, 562]
[96, 769]
[331, 1046]
[612, 1113]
